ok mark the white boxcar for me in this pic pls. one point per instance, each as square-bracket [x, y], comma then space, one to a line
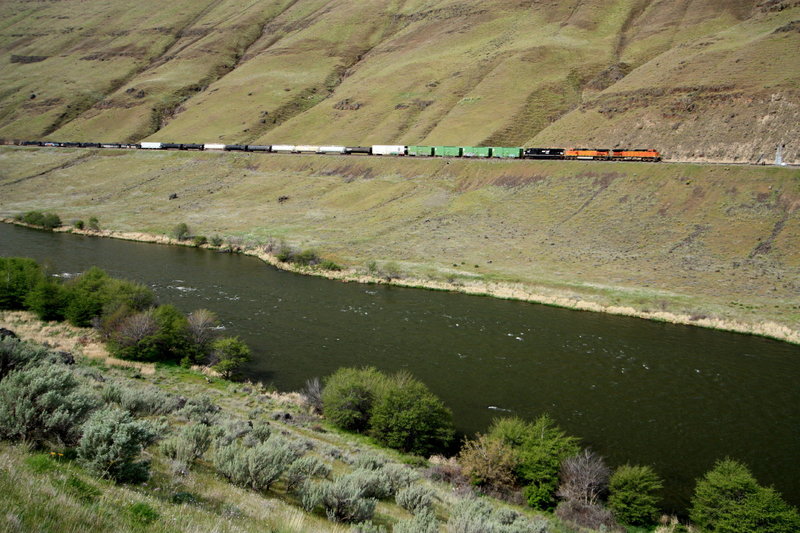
[151, 146]
[388, 149]
[306, 148]
[331, 149]
[282, 148]
[213, 146]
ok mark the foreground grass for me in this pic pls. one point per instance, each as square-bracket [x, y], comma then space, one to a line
[706, 245]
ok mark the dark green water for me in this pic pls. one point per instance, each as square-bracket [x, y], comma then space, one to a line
[671, 396]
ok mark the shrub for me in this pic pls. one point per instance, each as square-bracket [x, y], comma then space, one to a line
[344, 500]
[330, 265]
[348, 397]
[180, 232]
[632, 494]
[306, 258]
[201, 410]
[47, 300]
[541, 447]
[229, 354]
[303, 469]
[445, 469]
[16, 354]
[285, 253]
[94, 224]
[189, 445]
[216, 241]
[728, 499]
[415, 498]
[79, 224]
[471, 516]
[398, 477]
[489, 462]
[261, 431]
[369, 461]
[422, 522]
[409, 418]
[368, 527]
[588, 515]
[147, 401]
[258, 467]
[231, 462]
[477, 516]
[43, 220]
[41, 404]
[584, 478]
[372, 482]
[199, 240]
[111, 443]
[18, 276]
[313, 394]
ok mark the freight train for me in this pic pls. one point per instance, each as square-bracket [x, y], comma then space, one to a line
[590, 154]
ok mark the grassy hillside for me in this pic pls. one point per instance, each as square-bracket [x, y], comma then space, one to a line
[698, 79]
[700, 240]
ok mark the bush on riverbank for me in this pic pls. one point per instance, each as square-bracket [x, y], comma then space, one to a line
[541, 447]
[125, 313]
[728, 499]
[39, 219]
[398, 411]
[633, 494]
[18, 277]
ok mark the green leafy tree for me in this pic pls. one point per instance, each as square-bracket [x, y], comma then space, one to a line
[230, 354]
[111, 444]
[43, 220]
[728, 499]
[181, 232]
[94, 294]
[173, 332]
[18, 277]
[43, 404]
[541, 446]
[348, 397]
[410, 418]
[48, 300]
[633, 494]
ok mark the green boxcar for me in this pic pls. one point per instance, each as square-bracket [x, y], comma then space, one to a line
[501, 151]
[420, 150]
[477, 151]
[447, 151]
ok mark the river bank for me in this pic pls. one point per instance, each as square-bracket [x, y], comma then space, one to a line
[712, 246]
[507, 291]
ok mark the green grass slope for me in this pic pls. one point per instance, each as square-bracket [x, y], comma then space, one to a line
[698, 79]
[703, 240]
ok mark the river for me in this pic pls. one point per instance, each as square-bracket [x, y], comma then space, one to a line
[675, 397]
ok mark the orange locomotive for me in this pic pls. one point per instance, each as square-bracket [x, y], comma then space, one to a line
[635, 155]
[587, 153]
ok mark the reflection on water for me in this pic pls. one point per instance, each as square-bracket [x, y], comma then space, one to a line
[671, 396]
